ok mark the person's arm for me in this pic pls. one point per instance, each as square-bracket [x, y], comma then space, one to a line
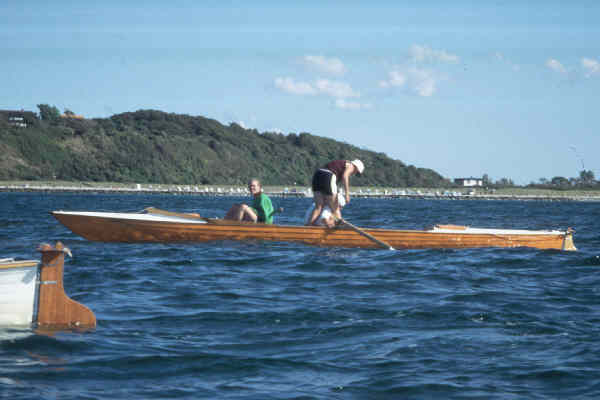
[266, 207]
[346, 180]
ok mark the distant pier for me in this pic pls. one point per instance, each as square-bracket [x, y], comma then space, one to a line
[215, 190]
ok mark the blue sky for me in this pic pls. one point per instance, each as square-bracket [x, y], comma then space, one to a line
[504, 88]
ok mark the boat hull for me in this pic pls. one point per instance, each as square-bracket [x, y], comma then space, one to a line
[32, 294]
[145, 228]
[18, 290]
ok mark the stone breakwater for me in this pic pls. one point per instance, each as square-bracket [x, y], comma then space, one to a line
[293, 192]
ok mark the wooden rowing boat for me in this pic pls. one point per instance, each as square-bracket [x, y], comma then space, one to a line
[158, 226]
[32, 294]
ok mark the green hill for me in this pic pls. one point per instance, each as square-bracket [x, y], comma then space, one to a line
[149, 146]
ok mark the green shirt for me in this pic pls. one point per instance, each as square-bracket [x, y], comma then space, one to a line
[264, 208]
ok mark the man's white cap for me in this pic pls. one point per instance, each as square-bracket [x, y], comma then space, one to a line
[359, 166]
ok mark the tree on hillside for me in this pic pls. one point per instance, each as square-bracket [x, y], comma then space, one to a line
[560, 181]
[587, 177]
[48, 113]
[505, 182]
[153, 146]
[485, 180]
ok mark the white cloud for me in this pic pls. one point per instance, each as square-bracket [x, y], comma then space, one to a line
[290, 86]
[352, 105]
[591, 66]
[502, 58]
[555, 65]
[423, 82]
[329, 65]
[397, 78]
[419, 81]
[423, 53]
[335, 88]
[339, 90]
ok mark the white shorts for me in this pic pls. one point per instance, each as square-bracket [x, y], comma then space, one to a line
[325, 214]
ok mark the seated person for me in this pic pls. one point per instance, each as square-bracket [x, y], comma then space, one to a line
[260, 211]
[326, 217]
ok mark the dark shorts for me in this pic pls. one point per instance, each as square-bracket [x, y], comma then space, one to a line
[324, 181]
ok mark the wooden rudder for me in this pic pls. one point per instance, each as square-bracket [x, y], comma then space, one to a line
[55, 309]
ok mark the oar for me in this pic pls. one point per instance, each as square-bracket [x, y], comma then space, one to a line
[365, 234]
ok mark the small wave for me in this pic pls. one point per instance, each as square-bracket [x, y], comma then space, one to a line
[592, 261]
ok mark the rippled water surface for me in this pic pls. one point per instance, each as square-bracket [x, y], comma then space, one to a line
[261, 320]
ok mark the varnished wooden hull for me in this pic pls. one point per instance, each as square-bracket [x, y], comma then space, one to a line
[140, 228]
[32, 293]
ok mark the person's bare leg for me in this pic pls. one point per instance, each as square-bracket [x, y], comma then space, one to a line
[241, 212]
[247, 214]
[319, 200]
[315, 215]
[335, 206]
[234, 213]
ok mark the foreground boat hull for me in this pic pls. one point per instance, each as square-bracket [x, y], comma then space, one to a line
[147, 228]
[32, 294]
[18, 281]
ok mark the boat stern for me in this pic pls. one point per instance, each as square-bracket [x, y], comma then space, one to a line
[568, 244]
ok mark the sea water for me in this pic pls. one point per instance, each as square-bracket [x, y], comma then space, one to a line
[271, 320]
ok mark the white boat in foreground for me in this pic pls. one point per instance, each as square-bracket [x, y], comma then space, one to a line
[32, 294]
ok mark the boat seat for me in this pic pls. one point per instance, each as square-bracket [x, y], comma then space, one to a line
[450, 227]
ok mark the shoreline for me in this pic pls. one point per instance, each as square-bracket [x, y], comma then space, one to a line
[300, 191]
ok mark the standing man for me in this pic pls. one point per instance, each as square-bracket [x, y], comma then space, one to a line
[260, 211]
[325, 186]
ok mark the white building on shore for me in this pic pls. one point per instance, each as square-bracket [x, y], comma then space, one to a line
[469, 182]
